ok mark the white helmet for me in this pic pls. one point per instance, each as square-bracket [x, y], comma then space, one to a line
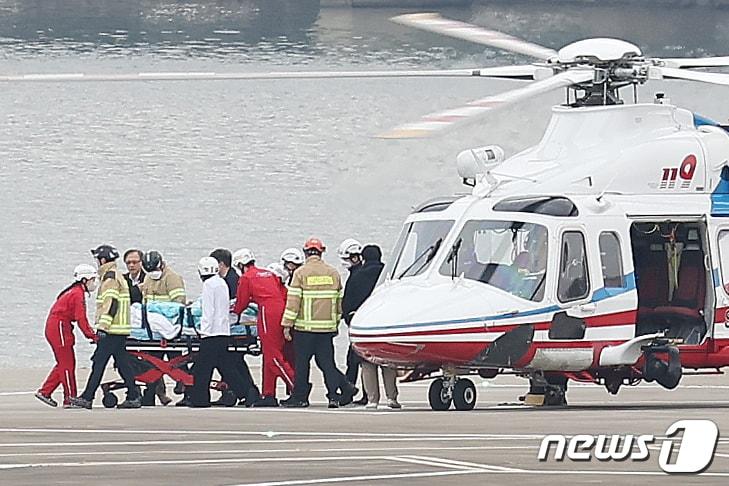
[349, 247]
[244, 256]
[207, 266]
[293, 255]
[279, 270]
[84, 271]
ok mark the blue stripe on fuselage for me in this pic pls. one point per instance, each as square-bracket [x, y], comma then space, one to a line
[599, 295]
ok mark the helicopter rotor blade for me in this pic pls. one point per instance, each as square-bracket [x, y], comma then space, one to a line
[704, 77]
[513, 72]
[694, 62]
[438, 122]
[433, 22]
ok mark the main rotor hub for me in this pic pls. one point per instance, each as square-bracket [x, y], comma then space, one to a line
[598, 51]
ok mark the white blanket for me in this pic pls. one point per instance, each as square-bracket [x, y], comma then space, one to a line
[157, 322]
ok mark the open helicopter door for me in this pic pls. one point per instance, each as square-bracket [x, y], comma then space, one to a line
[720, 256]
[674, 278]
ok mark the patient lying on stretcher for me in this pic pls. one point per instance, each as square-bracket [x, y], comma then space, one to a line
[168, 320]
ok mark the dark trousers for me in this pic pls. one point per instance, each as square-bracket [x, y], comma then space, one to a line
[246, 379]
[320, 345]
[110, 345]
[354, 362]
[214, 354]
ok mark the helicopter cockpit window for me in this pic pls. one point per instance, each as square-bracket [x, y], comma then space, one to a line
[417, 246]
[573, 283]
[509, 255]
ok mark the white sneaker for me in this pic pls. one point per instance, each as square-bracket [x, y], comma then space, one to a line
[371, 406]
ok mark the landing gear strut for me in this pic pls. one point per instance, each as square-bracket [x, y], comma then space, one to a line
[461, 392]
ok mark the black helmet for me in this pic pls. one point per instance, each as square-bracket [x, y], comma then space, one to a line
[152, 261]
[107, 252]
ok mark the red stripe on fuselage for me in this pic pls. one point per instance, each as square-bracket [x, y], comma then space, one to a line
[606, 320]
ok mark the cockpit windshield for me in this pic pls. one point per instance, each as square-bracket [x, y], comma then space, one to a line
[416, 247]
[509, 255]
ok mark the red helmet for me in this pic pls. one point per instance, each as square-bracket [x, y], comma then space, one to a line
[314, 244]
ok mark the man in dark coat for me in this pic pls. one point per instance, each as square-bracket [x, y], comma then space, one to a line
[361, 283]
[359, 287]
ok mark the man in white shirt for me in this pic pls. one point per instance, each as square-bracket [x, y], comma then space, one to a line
[215, 337]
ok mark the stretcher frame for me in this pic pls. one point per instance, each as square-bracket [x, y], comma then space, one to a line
[149, 368]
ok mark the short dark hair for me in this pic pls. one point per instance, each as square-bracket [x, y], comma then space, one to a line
[372, 253]
[223, 256]
[133, 250]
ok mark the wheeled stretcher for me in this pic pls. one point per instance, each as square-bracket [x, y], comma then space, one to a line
[148, 346]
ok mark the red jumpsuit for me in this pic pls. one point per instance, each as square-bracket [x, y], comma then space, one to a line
[265, 289]
[70, 307]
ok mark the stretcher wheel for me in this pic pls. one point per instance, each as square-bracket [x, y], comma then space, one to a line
[110, 400]
[464, 394]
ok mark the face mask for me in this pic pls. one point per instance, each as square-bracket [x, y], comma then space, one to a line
[91, 285]
[156, 275]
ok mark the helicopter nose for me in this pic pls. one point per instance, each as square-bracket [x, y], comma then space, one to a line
[408, 322]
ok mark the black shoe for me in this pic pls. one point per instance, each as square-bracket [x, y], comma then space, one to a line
[78, 402]
[185, 402]
[179, 388]
[362, 401]
[136, 403]
[266, 402]
[293, 402]
[252, 397]
[333, 404]
[46, 399]
[348, 393]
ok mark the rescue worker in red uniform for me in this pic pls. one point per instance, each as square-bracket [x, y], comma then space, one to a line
[264, 288]
[69, 307]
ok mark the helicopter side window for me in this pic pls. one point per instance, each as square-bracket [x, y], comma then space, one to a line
[724, 257]
[573, 283]
[611, 261]
[509, 255]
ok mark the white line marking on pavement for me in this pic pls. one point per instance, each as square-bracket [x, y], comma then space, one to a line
[399, 448]
[424, 461]
[267, 433]
[470, 465]
[178, 462]
[247, 441]
[363, 478]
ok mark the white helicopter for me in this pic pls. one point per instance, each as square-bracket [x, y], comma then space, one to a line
[599, 255]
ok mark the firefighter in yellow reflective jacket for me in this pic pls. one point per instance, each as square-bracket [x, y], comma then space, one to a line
[161, 284]
[112, 327]
[313, 310]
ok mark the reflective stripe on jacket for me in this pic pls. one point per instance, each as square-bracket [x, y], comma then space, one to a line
[314, 301]
[112, 302]
[168, 288]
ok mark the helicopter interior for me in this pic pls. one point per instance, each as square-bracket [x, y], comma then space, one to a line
[671, 279]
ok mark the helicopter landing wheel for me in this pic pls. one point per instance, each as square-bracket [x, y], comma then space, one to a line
[464, 394]
[440, 394]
